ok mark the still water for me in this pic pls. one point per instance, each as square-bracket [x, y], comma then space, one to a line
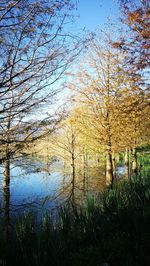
[38, 184]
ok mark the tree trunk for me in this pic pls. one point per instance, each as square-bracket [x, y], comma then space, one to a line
[84, 172]
[109, 168]
[117, 158]
[64, 173]
[97, 160]
[47, 160]
[73, 175]
[126, 162]
[6, 197]
[134, 161]
[114, 164]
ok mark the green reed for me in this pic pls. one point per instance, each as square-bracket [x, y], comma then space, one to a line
[111, 228]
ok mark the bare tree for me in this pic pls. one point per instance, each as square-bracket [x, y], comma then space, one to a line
[36, 47]
[35, 50]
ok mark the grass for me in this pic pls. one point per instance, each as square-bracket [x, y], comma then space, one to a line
[112, 228]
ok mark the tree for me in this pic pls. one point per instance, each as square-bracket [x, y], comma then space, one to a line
[35, 49]
[134, 123]
[65, 145]
[137, 43]
[100, 83]
[34, 53]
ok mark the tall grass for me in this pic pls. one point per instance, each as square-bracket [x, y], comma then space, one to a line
[144, 163]
[112, 228]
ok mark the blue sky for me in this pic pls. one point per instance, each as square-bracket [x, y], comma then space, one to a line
[92, 14]
[95, 13]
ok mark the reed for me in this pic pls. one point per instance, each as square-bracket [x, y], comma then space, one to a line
[112, 227]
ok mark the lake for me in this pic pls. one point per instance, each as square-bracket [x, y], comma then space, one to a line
[38, 184]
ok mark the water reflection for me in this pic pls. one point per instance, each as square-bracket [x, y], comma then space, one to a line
[30, 182]
[36, 183]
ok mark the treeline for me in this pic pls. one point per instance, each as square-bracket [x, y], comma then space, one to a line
[109, 110]
[109, 104]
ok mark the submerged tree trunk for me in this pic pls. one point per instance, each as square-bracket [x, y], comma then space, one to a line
[134, 161]
[6, 197]
[64, 173]
[109, 168]
[84, 172]
[73, 175]
[126, 162]
[73, 164]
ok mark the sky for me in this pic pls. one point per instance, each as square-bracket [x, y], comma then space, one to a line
[91, 14]
[95, 13]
